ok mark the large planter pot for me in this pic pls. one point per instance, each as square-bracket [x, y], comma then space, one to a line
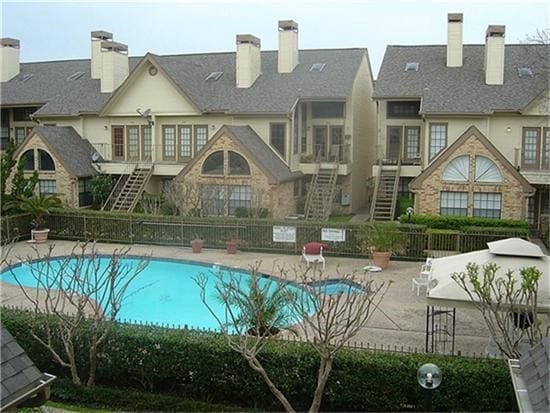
[39, 235]
[196, 245]
[381, 259]
[231, 246]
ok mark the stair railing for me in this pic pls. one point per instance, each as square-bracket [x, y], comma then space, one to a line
[141, 189]
[328, 200]
[313, 185]
[117, 188]
[396, 182]
[375, 192]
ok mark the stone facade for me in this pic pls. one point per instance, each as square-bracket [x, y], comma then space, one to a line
[514, 193]
[66, 184]
[278, 198]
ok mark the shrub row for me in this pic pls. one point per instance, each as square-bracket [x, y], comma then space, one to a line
[102, 397]
[200, 366]
[461, 223]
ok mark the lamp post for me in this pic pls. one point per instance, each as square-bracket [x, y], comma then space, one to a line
[429, 377]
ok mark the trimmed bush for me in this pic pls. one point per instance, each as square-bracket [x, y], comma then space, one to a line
[459, 223]
[200, 366]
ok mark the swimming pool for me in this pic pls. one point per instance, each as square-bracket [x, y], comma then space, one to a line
[337, 286]
[164, 293]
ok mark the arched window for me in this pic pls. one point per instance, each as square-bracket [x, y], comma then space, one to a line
[28, 160]
[46, 162]
[213, 165]
[237, 164]
[487, 170]
[458, 170]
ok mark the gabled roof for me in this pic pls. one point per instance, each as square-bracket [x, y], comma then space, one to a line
[462, 90]
[254, 148]
[74, 152]
[21, 379]
[271, 93]
[416, 183]
[535, 370]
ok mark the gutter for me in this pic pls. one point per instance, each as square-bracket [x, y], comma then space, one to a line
[520, 388]
[44, 385]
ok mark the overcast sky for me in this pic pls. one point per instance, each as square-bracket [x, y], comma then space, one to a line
[61, 30]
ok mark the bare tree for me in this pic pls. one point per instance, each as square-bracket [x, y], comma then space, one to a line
[82, 287]
[151, 203]
[255, 313]
[508, 305]
[185, 197]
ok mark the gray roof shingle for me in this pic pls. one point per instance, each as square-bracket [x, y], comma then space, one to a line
[272, 92]
[263, 154]
[535, 369]
[74, 151]
[19, 374]
[462, 90]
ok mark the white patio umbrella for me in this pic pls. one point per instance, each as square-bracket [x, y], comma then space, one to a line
[511, 253]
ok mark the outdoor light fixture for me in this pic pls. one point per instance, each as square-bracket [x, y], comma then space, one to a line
[429, 377]
[509, 129]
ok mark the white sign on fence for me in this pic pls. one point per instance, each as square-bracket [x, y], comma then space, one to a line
[284, 234]
[333, 234]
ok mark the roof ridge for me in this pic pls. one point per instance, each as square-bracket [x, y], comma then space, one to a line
[470, 44]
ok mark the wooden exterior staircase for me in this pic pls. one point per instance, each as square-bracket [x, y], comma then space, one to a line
[385, 193]
[322, 189]
[128, 189]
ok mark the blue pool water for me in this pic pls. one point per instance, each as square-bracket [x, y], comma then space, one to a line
[164, 293]
[334, 287]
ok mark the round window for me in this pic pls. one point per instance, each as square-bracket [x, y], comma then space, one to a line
[153, 70]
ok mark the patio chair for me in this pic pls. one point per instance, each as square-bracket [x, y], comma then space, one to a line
[422, 280]
[312, 253]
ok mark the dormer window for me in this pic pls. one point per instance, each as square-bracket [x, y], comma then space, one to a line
[214, 76]
[525, 72]
[411, 67]
[75, 76]
[317, 67]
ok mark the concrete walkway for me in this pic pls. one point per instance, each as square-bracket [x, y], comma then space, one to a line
[361, 216]
[400, 321]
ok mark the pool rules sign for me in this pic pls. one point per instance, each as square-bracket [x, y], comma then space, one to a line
[284, 234]
[333, 234]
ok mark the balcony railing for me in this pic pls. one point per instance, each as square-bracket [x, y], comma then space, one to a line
[332, 153]
[149, 154]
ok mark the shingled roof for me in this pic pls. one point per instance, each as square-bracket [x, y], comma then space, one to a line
[535, 369]
[21, 379]
[74, 152]
[271, 93]
[462, 90]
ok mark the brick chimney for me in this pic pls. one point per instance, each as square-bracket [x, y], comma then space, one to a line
[97, 37]
[494, 55]
[288, 46]
[454, 40]
[9, 58]
[249, 61]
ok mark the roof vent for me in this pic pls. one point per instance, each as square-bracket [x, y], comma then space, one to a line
[525, 72]
[214, 76]
[26, 77]
[411, 67]
[75, 76]
[317, 67]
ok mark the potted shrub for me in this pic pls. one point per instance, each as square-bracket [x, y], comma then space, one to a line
[38, 206]
[231, 245]
[197, 244]
[382, 239]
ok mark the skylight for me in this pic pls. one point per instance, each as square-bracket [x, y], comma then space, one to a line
[411, 67]
[317, 67]
[26, 77]
[75, 75]
[525, 72]
[214, 76]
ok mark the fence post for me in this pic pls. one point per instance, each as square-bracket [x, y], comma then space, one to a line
[85, 226]
[8, 237]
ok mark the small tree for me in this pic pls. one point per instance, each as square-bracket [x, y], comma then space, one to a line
[37, 206]
[101, 187]
[75, 290]
[508, 305]
[20, 186]
[327, 322]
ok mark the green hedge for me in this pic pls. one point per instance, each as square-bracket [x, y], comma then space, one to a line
[200, 366]
[460, 223]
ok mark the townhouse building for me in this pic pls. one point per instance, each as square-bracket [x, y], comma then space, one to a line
[250, 128]
[464, 128]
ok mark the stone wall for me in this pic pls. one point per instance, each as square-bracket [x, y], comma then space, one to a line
[513, 204]
[277, 198]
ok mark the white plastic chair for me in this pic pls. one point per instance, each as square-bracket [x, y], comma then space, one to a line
[423, 278]
[313, 258]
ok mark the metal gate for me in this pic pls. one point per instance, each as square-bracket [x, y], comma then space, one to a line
[440, 330]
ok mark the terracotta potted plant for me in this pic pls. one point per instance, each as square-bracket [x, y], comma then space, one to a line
[231, 244]
[382, 239]
[197, 244]
[38, 206]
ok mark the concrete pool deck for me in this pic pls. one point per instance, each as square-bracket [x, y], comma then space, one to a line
[399, 323]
